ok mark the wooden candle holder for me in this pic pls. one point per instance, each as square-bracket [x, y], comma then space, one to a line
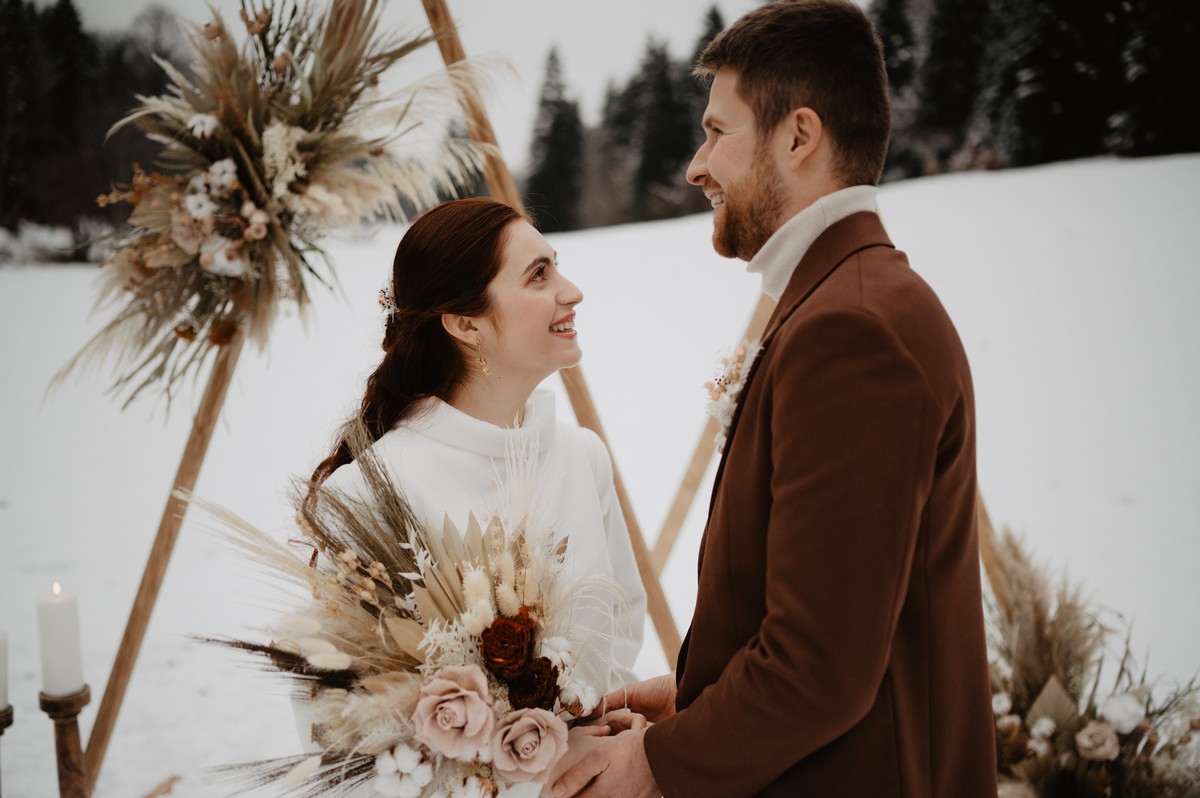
[6, 720]
[64, 711]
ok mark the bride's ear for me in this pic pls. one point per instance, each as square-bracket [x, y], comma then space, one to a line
[461, 328]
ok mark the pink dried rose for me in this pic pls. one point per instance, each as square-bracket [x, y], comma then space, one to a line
[1098, 741]
[454, 712]
[526, 745]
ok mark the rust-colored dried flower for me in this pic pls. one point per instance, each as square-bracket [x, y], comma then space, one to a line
[133, 191]
[1097, 781]
[212, 31]
[536, 688]
[1015, 749]
[263, 16]
[222, 332]
[280, 62]
[508, 645]
[186, 331]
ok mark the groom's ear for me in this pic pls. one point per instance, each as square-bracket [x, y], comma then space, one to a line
[804, 131]
[461, 328]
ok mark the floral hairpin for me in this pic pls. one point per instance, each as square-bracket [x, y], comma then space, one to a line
[724, 389]
[387, 299]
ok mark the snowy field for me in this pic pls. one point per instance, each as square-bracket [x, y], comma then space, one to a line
[1073, 286]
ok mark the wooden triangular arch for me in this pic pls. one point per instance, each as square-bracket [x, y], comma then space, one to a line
[501, 185]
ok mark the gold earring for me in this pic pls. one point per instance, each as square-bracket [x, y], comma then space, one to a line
[482, 363]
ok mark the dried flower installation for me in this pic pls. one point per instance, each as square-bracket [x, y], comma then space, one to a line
[265, 148]
[1058, 733]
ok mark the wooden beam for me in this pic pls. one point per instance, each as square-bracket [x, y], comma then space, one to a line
[502, 187]
[685, 497]
[188, 472]
[499, 180]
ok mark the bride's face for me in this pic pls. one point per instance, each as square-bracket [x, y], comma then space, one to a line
[530, 333]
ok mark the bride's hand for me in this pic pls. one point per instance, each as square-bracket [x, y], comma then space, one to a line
[653, 698]
[616, 721]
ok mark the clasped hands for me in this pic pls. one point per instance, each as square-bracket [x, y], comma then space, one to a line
[606, 755]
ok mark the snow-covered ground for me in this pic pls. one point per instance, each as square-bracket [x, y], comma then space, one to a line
[1073, 287]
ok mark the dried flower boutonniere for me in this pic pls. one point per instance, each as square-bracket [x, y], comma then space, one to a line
[724, 389]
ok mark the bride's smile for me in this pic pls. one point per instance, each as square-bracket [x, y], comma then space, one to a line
[530, 297]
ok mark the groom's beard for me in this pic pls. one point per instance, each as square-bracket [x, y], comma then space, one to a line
[752, 213]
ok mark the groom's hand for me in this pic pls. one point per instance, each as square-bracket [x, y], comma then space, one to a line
[653, 698]
[615, 767]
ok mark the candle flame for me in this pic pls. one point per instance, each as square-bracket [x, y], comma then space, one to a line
[57, 590]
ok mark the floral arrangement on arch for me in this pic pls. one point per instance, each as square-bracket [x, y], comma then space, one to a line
[267, 147]
[430, 662]
[1058, 733]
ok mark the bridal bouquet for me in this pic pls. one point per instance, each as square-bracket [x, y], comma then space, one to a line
[1058, 733]
[265, 148]
[432, 662]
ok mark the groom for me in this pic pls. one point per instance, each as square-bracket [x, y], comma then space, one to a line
[837, 647]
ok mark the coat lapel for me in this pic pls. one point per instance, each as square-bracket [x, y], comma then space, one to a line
[832, 248]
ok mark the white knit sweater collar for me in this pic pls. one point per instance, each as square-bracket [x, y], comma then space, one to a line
[785, 248]
[451, 426]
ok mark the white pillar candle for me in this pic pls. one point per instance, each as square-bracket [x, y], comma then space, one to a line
[3, 670]
[58, 632]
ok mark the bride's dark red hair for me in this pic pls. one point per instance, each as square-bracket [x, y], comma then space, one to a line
[443, 264]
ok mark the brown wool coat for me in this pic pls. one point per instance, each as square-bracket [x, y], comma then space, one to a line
[837, 647]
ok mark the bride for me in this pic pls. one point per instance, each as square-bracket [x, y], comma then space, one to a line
[478, 316]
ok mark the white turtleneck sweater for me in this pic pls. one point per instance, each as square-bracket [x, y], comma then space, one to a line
[785, 248]
[450, 464]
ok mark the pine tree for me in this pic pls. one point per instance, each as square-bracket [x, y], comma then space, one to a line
[556, 157]
[1051, 81]
[609, 163]
[694, 90]
[1161, 59]
[637, 157]
[21, 75]
[948, 79]
[666, 137]
[73, 62]
[695, 95]
[128, 69]
[66, 172]
[893, 23]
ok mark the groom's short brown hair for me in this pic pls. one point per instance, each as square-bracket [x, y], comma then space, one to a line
[820, 54]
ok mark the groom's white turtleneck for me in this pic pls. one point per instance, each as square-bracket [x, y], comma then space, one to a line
[781, 254]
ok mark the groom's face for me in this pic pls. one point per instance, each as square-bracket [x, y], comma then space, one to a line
[735, 172]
